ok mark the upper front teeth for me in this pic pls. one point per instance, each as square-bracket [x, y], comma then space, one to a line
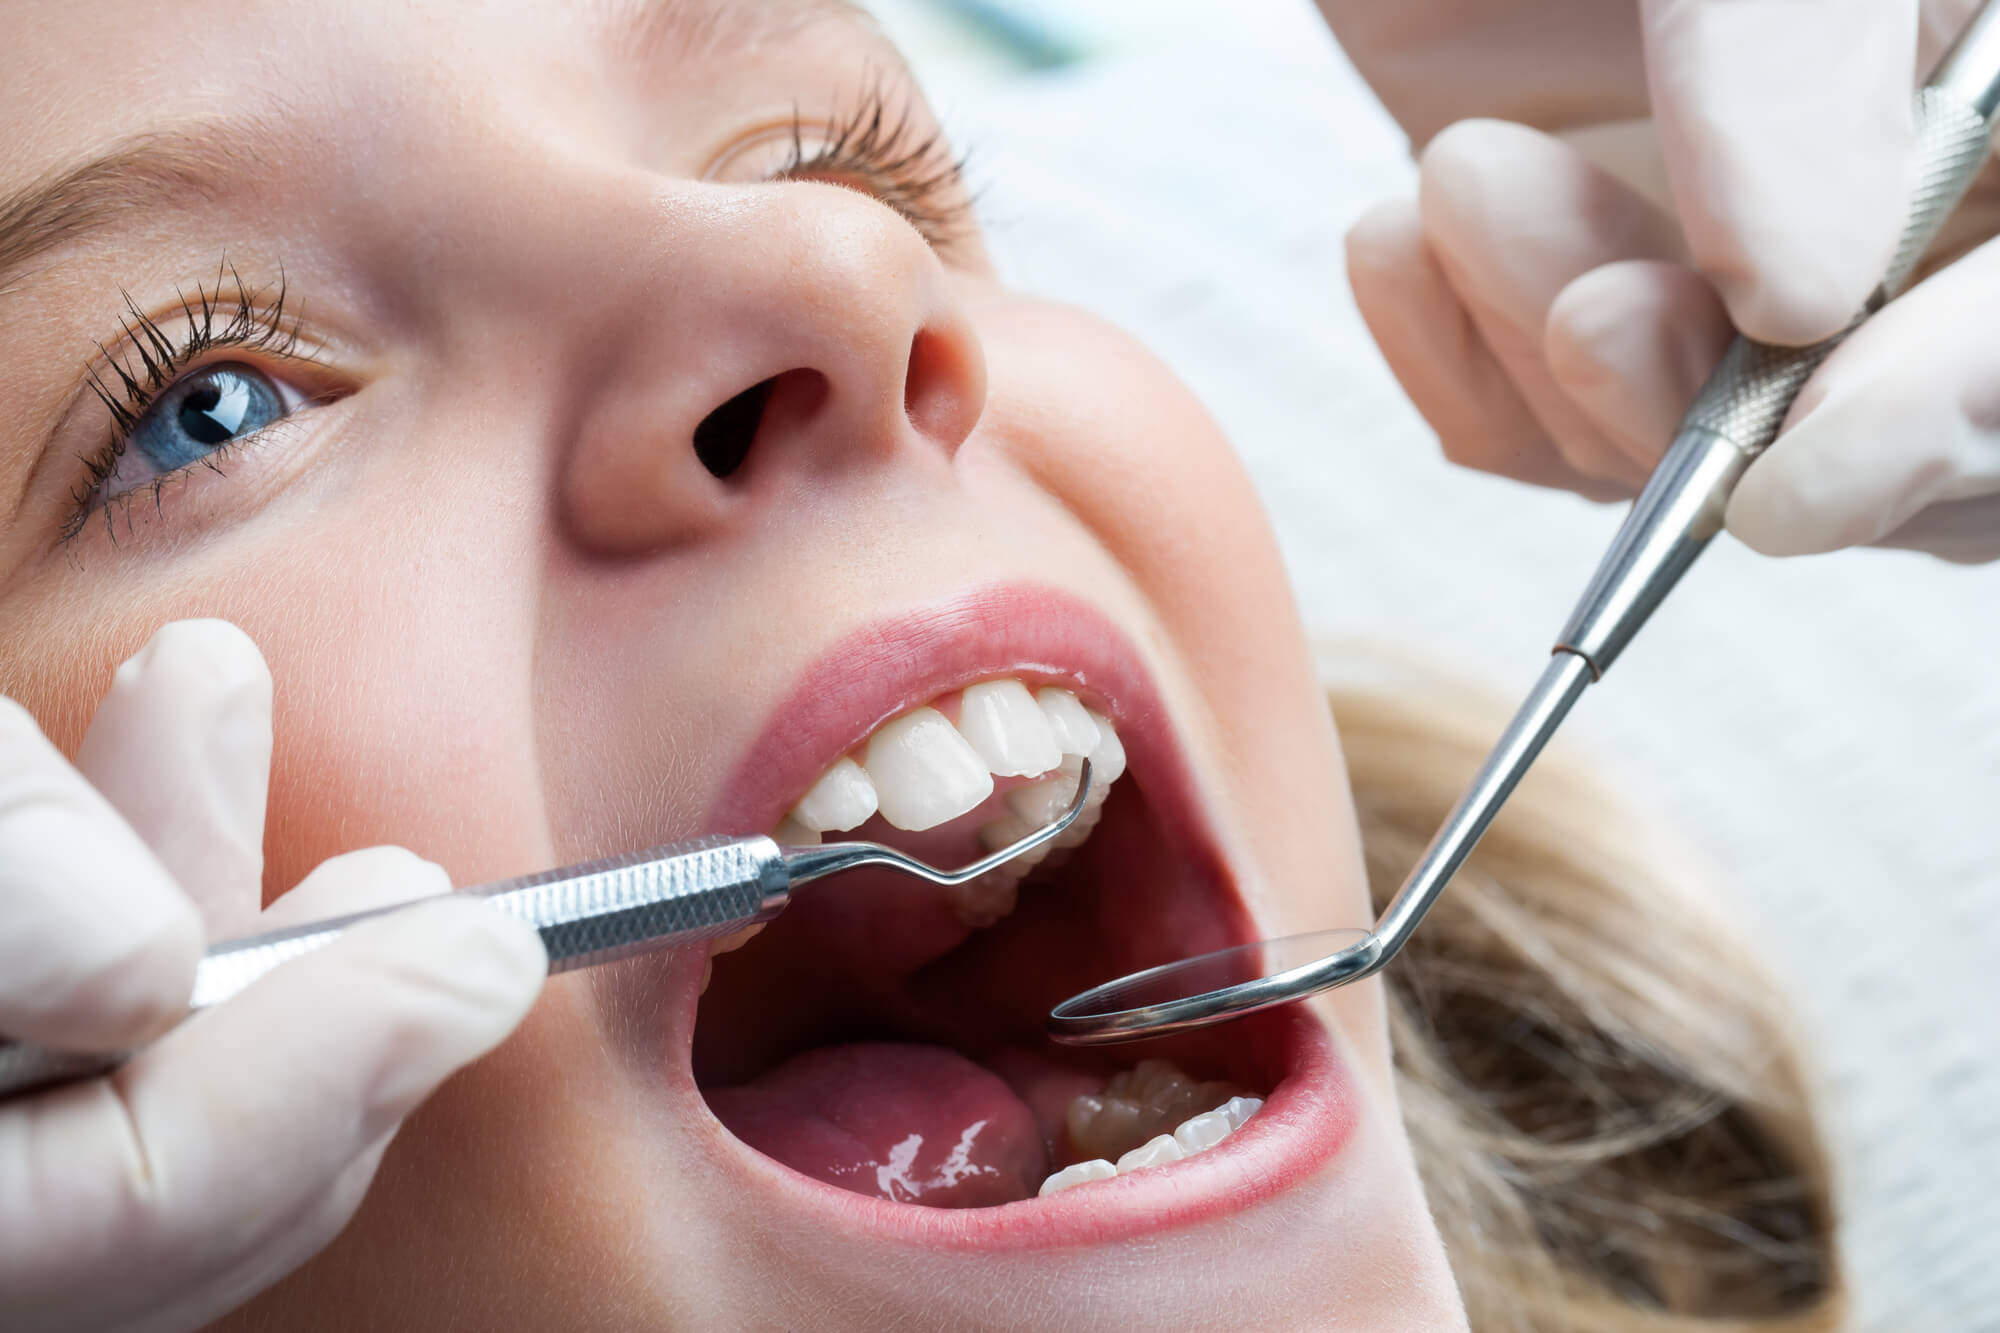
[843, 798]
[919, 770]
[1008, 728]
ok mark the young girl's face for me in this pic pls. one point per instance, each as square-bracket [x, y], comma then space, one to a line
[643, 431]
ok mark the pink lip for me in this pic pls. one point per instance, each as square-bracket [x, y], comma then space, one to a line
[1036, 634]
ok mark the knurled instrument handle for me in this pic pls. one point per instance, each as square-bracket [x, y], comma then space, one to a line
[586, 914]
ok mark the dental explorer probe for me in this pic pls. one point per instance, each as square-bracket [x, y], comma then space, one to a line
[1733, 420]
[587, 914]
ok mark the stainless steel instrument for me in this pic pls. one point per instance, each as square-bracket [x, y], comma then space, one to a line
[1733, 420]
[587, 914]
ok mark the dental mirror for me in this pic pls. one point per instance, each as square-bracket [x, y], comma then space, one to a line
[1214, 987]
[1232, 983]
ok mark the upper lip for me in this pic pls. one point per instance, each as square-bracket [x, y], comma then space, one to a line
[1038, 635]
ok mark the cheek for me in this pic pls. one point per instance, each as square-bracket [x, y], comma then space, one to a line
[399, 633]
[1135, 457]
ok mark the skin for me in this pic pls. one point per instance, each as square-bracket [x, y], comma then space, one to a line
[476, 567]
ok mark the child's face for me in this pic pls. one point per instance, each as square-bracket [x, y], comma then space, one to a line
[516, 619]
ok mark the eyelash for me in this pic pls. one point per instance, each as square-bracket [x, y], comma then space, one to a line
[247, 320]
[912, 170]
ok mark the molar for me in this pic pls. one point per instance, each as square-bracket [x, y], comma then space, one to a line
[1199, 1133]
[1008, 729]
[1240, 1109]
[1147, 1100]
[924, 772]
[843, 798]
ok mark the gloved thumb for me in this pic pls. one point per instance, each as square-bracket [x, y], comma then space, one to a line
[1789, 144]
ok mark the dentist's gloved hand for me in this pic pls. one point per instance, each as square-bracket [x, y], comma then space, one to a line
[1555, 296]
[226, 1154]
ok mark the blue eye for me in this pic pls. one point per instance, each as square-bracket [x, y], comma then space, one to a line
[203, 413]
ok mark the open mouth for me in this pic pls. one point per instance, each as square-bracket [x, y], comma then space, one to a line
[885, 1037]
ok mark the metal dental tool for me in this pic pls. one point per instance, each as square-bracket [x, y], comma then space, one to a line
[587, 914]
[1733, 419]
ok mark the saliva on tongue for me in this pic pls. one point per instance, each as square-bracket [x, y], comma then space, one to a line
[903, 1121]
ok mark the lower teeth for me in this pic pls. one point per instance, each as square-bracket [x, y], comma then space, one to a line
[1129, 1120]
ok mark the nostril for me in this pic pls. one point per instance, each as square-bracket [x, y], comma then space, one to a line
[723, 439]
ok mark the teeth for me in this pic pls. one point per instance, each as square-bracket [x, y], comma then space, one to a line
[1196, 1134]
[1138, 1104]
[1201, 1132]
[842, 799]
[1039, 802]
[1008, 729]
[1107, 760]
[1075, 733]
[1157, 1151]
[924, 772]
[791, 833]
[919, 770]
[1083, 1172]
[1240, 1109]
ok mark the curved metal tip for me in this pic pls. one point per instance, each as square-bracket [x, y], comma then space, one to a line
[806, 864]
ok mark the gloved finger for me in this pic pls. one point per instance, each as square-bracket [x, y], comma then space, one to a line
[1790, 149]
[97, 944]
[1631, 344]
[1964, 531]
[357, 882]
[1516, 216]
[181, 747]
[1904, 414]
[222, 1156]
[1441, 360]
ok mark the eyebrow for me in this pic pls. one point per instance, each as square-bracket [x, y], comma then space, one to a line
[195, 159]
[168, 166]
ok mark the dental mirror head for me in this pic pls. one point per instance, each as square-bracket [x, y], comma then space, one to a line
[1215, 987]
[1236, 982]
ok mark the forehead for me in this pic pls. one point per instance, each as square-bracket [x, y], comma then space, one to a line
[81, 75]
[183, 105]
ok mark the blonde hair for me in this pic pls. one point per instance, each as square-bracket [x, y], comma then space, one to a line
[1612, 1119]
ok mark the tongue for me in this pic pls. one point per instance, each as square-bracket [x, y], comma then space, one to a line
[917, 1124]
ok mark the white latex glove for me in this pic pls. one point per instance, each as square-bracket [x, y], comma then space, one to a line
[230, 1151]
[1554, 297]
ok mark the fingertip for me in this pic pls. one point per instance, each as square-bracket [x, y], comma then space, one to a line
[1632, 343]
[1387, 238]
[211, 653]
[1794, 301]
[510, 951]
[358, 881]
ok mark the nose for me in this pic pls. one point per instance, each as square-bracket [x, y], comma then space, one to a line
[786, 331]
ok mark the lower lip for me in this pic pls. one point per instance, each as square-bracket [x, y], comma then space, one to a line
[1307, 1118]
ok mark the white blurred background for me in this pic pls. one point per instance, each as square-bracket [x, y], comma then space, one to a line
[1828, 730]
